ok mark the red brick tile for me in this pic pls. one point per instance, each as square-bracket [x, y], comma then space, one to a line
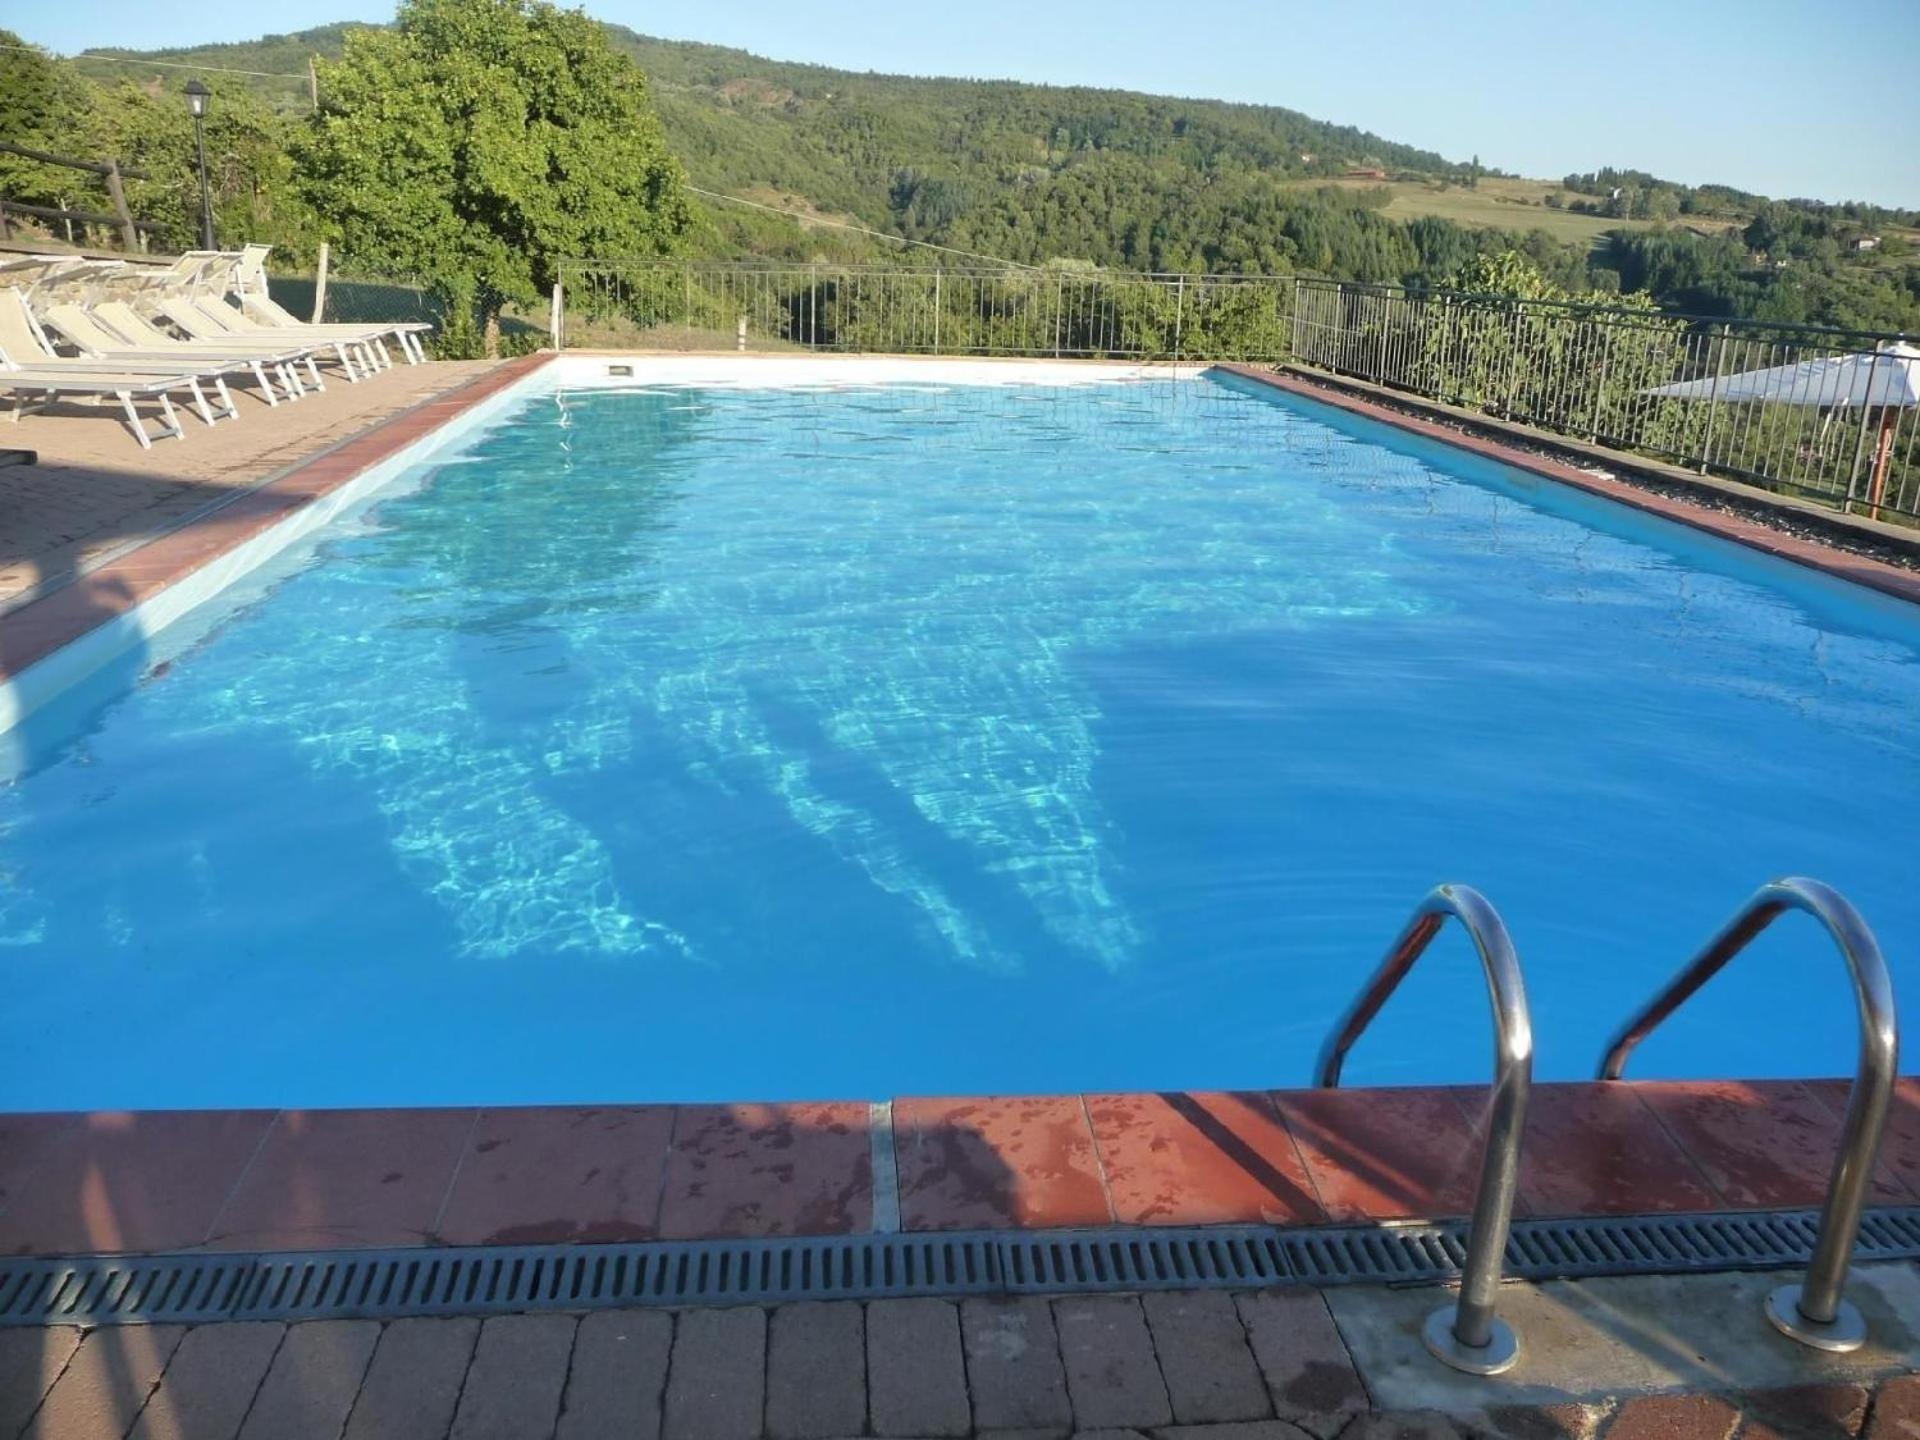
[768, 1170]
[1760, 1144]
[1012, 1162]
[1385, 1154]
[125, 1182]
[1673, 1417]
[25, 1141]
[1594, 1149]
[1900, 1142]
[345, 1177]
[542, 1175]
[1200, 1159]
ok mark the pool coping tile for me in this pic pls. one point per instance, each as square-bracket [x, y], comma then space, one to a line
[1760, 1144]
[136, 1182]
[541, 1175]
[343, 1179]
[326, 1178]
[803, 1168]
[1200, 1158]
[1387, 1154]
[1596, 1149]
[998, 1163]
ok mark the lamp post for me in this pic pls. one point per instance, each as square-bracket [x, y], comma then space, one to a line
[197, 97]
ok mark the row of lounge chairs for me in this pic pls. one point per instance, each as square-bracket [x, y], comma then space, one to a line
[148, 334]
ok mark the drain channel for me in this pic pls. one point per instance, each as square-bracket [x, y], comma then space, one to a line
[379, 1284]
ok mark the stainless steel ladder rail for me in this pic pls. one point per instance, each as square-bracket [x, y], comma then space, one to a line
[1815, 1312]
[1467, 1335]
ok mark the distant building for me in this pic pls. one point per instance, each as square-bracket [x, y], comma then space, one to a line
[1366, 172]
[1306, 157]
[1864, 242]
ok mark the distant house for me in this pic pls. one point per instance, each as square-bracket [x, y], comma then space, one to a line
[1366, 172]
[1864, 242]
[1306, 157]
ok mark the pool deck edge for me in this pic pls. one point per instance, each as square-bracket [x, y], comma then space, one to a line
[76, 1183]
[109, 592]
[1510, 444]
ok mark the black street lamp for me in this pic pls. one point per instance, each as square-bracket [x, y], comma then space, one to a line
[197, 97]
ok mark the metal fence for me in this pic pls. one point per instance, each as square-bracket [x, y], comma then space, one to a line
[1827, 423]
[1581, 370]
[898, 310]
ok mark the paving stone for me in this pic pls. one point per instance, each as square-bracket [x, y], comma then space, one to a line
[1209, 1369]
[1235, 1430]
[816, 1371]
[1896, 1410]
[1110, 1435]
[310, 1386]
[1013, 1364]
[619, 1376]
[1310, 1377]
[30, 1361]
[716, 1384]
[1402, 1425]
[1545, 1422]
[413, 1384]
[916, 1373]
[513, 1386]
[1804, 1412]
[1673, 1417]
[209, 1383]
[1112, 1376]
[105, 1383]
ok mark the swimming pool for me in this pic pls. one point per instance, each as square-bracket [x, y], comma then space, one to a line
[745, 740]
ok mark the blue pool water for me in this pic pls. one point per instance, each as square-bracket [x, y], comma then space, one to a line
[722, 743]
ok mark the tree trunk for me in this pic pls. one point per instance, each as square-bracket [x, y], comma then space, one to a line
[490, 332]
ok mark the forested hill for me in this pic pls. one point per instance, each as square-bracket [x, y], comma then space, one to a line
[842, 138]
[1049, 174]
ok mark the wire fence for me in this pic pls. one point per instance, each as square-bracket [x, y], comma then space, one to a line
[1832, 417]
[1835, 416]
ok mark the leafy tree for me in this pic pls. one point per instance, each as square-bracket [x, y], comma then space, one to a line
[478, 143]
[44, 106]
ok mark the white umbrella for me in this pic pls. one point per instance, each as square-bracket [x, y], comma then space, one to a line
[1886, 378]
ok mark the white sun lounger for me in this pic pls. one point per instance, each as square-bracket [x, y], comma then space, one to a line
[34, 387]
[244, 277]
[57, 300]
[23, 337]
[136, 328]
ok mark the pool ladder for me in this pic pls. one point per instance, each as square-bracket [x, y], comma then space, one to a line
[1468, 1335]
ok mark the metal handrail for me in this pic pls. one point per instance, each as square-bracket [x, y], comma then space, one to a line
[1815, 1312]
[1467, 1335]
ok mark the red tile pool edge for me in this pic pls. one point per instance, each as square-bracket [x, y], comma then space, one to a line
[175, 1180]
[1859, 569]
[36, 630]
[292, 1180]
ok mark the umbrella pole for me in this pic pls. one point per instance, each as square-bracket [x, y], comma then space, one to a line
[1882, 457]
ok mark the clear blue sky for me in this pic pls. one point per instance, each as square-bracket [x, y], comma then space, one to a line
[1817, 98]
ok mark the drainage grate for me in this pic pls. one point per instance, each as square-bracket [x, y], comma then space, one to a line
[109, 1290]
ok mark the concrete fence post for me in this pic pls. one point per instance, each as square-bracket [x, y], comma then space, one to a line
[320, 284]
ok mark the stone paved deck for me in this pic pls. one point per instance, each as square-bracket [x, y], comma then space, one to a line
[1176, 1366]
[93, 490]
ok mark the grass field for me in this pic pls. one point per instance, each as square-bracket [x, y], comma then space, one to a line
[1507, 204]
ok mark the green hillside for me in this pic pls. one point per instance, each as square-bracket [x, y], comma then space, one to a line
[1046, 174]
